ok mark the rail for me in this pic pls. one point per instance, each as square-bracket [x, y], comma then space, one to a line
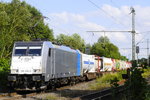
[102, 95]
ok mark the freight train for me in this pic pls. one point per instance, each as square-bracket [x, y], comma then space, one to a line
[42, 64]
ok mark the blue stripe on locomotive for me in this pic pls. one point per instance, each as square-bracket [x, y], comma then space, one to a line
[78, 63]
[88, 62]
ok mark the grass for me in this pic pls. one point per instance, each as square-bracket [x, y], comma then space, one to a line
[52, 97]
[146, 73]
[105, 81]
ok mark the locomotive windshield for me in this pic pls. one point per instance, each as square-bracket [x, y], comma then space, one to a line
[34, 51]
[20, 51]
[27, 51]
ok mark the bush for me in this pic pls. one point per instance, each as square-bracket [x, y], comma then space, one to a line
[4, 70]
[106, 79]
[4, 65]
[136, 85]
[146, 73]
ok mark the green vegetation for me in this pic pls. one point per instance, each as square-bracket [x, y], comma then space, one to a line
[107, 80]
[146, 73]
[143, 62]
[20, 22]
[136, 85]
[104, 47]
[74, 41]
[4, 70]
[52, 97]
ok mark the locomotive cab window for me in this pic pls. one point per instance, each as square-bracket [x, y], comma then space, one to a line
[20, 51]
[34, 51]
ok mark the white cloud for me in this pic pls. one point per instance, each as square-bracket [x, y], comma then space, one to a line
[65, 17]
[113, 11]
[90, 26]
[61, 17]
[73, 23]
[118, 36]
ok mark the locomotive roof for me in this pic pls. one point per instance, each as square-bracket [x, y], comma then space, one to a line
[65, 48]
[34, 43]
[40, 43]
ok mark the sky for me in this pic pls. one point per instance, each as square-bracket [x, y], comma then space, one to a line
[80, 16]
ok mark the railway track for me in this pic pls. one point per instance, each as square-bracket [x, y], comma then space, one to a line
[15, 95]
[105, 94]
[101, 95]
[25, 94]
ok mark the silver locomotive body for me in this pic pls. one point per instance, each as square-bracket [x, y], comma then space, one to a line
[37, 64]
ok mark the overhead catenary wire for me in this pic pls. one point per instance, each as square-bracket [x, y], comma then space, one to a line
[115, 20]
[133, 26]
[142, 38]
[132, 31]
[57, 26]
[137, 21]
[119, 8]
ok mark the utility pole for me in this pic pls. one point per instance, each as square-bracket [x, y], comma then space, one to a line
[132, 31]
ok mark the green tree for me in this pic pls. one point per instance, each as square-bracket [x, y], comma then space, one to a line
[104, 47]
[74, 41]
[103, 39]
[79, 42]
[62, 39]
[88, 49]
[20, 22]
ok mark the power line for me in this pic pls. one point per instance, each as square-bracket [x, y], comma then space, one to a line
[115, 20]
[132, 31]
[118, 8]
[58, 28]
[109, 31]
[144, 32]
[137, 22]
[142, 38]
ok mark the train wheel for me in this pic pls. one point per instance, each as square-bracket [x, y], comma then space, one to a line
[72, 81]
[53, 84]
[85, 78]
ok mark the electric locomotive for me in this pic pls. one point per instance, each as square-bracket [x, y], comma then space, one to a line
[40, 63]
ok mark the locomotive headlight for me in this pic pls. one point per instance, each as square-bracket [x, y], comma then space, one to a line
[14, 70]
[37, 70]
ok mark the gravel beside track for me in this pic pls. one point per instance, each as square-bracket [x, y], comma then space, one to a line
[62, 93]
